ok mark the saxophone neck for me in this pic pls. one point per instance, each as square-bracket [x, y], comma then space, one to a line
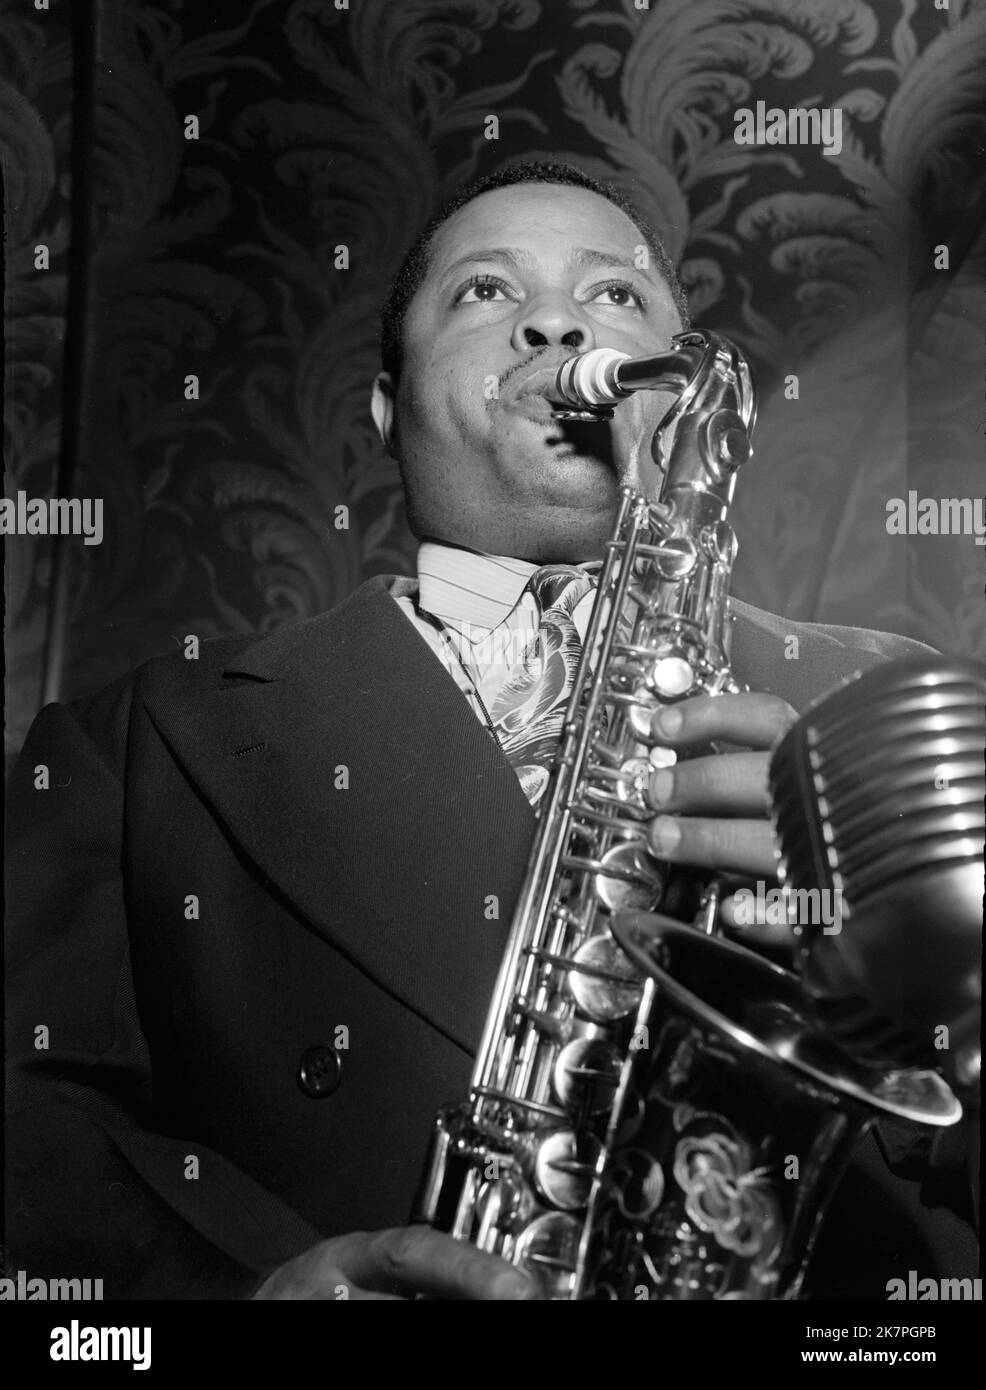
[704, 438]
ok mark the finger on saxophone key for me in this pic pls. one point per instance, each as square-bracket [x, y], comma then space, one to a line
[736, 845]
[727, 784]
[753, 720]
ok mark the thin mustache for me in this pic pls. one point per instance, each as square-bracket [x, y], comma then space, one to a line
[531, 362]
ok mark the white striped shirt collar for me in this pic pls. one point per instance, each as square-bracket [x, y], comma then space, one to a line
[466, 587]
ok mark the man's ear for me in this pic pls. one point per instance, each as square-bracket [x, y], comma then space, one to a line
[382, 407]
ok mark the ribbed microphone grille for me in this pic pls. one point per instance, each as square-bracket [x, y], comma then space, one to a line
[883, 779]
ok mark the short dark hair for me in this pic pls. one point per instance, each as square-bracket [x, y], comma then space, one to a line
[415, 264]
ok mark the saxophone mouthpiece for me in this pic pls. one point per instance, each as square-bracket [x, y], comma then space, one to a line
[588, 386]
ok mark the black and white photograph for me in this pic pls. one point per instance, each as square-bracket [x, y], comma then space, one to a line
[495, 664]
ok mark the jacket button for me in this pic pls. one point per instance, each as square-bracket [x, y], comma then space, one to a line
[319, 1071]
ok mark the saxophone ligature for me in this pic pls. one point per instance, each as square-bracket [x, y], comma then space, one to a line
[653, 1113]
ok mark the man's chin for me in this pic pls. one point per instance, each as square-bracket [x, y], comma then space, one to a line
[568, 471]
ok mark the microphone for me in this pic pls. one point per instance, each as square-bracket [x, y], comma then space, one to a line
[878, 794]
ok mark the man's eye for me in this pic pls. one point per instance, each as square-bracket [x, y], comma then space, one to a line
[481, 289]
[621, 294]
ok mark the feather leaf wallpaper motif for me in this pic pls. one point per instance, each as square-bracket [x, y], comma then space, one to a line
[221, 258]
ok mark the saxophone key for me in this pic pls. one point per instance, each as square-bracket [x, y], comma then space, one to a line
[564, 1167]
[675, 559]
[548, 1025]
[641, 712]
[633, 778]
[627, 875]
[606, 986]
[586, 1075]
[548, 1250]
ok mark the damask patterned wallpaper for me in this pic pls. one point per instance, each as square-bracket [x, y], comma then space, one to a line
[323, 124]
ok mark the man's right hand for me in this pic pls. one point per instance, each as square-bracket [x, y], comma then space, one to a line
[396, 1264]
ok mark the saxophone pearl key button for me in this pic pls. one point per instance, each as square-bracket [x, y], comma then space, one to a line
[672, 675]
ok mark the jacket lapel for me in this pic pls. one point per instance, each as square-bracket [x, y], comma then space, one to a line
[349, 767]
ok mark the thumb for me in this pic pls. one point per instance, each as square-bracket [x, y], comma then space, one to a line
[760, 924]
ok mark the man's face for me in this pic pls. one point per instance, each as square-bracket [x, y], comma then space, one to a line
[520, 279]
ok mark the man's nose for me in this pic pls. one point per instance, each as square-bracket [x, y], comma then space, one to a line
[552, 321]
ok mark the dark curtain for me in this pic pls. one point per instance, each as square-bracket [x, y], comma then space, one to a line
[215, 253]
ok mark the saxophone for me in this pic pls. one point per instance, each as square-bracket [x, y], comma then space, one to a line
[652, 1113]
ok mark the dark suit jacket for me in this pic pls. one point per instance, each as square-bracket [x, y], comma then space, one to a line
[173, 1039]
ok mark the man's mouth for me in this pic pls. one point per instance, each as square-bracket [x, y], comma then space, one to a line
[534, 390]
[534, 396]
[533, 405]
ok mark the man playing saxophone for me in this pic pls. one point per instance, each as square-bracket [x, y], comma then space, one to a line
[364, 907]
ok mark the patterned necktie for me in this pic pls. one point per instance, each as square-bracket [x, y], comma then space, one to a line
[529, 710]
